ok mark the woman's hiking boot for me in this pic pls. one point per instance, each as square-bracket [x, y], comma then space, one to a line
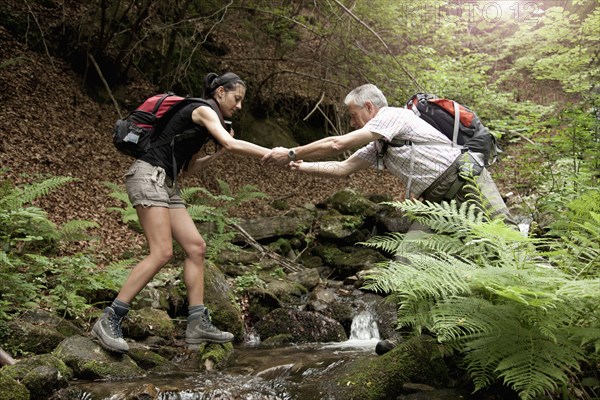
[107, 330]
[200, 329]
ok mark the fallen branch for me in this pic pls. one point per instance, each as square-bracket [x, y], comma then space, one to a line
[97, 67]
[6, 359]
[288, 265]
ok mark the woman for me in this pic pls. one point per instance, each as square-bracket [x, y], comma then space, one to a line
[153, 192]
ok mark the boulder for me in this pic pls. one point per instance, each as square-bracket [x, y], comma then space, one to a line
[148, 322]
[300, 327]
[350, 202]
[348, 261]
[10, 389]
[43, 317]
[31, 338]
[383, 377]
[89, 361]
[43, 381]
[335, 226]
[292, 223]
[260, 303]
[221, 302]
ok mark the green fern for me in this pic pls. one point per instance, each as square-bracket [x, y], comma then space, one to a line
[18, 197]
[484, 290]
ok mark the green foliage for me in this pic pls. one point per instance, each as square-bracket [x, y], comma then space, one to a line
[488, 292]
[205, 208]
[29, 279]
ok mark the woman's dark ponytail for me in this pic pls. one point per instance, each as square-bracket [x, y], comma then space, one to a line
[228, 80]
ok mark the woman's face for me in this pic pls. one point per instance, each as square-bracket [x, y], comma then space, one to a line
[231, 101]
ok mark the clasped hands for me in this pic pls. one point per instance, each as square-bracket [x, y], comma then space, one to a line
[280, 156]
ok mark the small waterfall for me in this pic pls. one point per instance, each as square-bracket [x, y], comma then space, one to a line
[364, 327]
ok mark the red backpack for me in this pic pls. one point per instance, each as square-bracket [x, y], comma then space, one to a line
[135, 134]
[458, 123]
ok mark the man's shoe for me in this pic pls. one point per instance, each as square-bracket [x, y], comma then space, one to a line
[107, 330]
[200, 329]
[383, 346]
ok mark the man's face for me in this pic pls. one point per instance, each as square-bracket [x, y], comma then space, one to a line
[359, 116]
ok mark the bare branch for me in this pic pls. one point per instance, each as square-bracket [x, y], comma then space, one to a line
[6, 359]
[288, 265]
[382, 42]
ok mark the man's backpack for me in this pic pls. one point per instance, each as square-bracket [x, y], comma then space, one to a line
[135, 134]
[459, 123]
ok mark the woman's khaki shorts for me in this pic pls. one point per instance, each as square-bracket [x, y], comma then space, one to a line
[149, 186]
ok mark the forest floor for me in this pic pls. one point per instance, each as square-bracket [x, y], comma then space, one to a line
[49, 126]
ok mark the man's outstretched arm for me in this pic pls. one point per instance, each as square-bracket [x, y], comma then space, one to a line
[331, 169]
[328, 146]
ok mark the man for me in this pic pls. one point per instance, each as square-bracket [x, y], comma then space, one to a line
[425, 161]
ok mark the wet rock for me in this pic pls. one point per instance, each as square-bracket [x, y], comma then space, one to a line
[383, 377]
[221, 302]
[149, 360]
[89, 361]
[325, 301]
[143, 392]
[148, 322]
[71, 393]
[302, 326]
[213, 356]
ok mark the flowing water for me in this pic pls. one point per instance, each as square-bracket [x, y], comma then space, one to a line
[256, 372]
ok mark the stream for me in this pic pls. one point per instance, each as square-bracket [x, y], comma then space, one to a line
[255, 372]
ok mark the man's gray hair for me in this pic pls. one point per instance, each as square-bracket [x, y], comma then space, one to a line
[364, 93]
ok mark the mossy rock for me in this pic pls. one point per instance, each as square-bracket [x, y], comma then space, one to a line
[213, 356]
[43, 380]
[148, 322]
[149, 360]
[31, 338]
[89, 361]
[380, 378]
[10, 389]
[219, 298]
[335, 226]
[24, 366]
[350, 202]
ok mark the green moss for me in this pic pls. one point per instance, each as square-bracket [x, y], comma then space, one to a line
[10, 389]
[22, 368]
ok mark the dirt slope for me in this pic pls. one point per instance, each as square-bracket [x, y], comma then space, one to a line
[49, 126]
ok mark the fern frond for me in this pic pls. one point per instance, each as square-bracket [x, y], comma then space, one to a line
[188, 193]
[76, 230]
[425, 276]
[389, 243]
[201, 213]
[18, 197]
